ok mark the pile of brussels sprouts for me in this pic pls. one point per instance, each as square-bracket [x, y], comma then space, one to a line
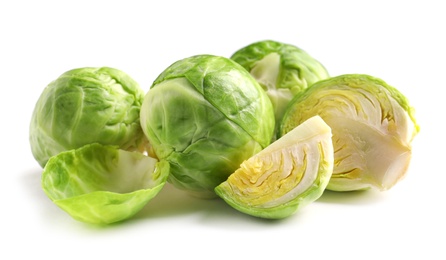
[267, 130]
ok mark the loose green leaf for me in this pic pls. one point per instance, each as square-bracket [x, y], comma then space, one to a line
[102, 184]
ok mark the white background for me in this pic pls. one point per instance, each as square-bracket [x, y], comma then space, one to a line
[402, 42]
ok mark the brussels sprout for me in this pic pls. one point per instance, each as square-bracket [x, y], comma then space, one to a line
[283, 70]
[205, 114]
[373, 126]
[102, 184]
[284, 177]
[85, 106]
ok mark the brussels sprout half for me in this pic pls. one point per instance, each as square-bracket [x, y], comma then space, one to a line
[84, 106]
[283, 70]
[205, 114]
[102, 184]
[373, 127]
[285, 176]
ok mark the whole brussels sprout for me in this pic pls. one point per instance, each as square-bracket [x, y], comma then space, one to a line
[84, 106]
[205, 114]
[283, 70]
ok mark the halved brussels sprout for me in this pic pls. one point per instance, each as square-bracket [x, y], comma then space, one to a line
[102, 184]
[373, 126]
[283, 70]
[284, 177]
[205, 114]
[84, 106]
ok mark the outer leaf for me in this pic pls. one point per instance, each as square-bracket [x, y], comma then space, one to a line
[101, 184]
